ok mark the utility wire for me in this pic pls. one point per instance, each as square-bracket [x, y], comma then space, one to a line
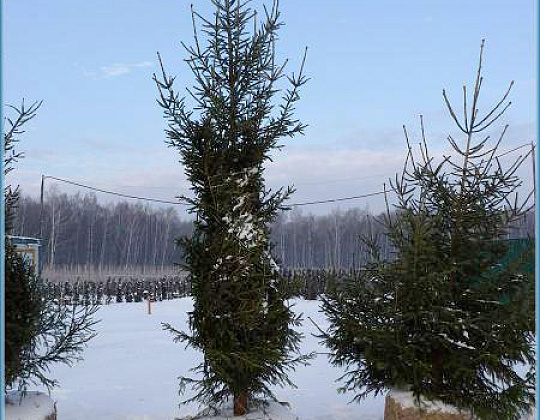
[531, 145]
[155, 200]
[331, 200]
[335, 200]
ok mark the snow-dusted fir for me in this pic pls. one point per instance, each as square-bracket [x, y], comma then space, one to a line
[241, 319]
[445, 318]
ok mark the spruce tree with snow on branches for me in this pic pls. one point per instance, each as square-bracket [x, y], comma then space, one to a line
[445, 318]
[241, 320]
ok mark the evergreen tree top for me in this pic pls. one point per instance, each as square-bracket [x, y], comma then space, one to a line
[236, 77]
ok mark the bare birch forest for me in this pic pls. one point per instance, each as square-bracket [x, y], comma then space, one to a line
[80, 234]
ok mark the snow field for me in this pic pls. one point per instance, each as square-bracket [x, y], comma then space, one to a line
[130, 370]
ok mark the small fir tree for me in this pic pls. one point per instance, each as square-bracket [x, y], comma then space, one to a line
[241, 320]
[444, 318]
[38, 332]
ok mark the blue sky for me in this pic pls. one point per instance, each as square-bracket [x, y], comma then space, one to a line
[374, 66]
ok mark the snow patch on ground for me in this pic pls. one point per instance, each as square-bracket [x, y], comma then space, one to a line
[33, 406]
[406, 400]
[272, 411]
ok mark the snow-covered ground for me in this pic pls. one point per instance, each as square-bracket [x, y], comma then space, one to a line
[130, 371]
[34, 406]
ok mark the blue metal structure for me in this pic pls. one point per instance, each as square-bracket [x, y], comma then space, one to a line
[30, 248]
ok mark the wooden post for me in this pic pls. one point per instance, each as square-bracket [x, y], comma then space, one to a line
[149, 305]
[533, 155]
[41, 207]
[41, 251]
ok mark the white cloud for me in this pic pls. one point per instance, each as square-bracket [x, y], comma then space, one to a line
[116, 69]
[120, 69]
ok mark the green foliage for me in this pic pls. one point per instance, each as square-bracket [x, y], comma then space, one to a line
[23, 308]
[38, 332]
[241, 320]
[444, 319]
[296, 285]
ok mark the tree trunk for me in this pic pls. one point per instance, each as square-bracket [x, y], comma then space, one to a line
[53, 238]
[437, 366]
[154, 259]
[166, 243]
[240, 403]
[104, 242]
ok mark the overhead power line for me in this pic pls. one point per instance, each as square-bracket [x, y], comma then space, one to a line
[335, 200]
[155, 200]
[307, 203]
[158, 200]
[531, 145]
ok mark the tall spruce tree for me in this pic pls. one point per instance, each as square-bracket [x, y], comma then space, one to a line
[241, 320]
[444, 318]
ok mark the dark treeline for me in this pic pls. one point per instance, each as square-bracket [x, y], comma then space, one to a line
[327, 241]
[80, 231]
[333, 240]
